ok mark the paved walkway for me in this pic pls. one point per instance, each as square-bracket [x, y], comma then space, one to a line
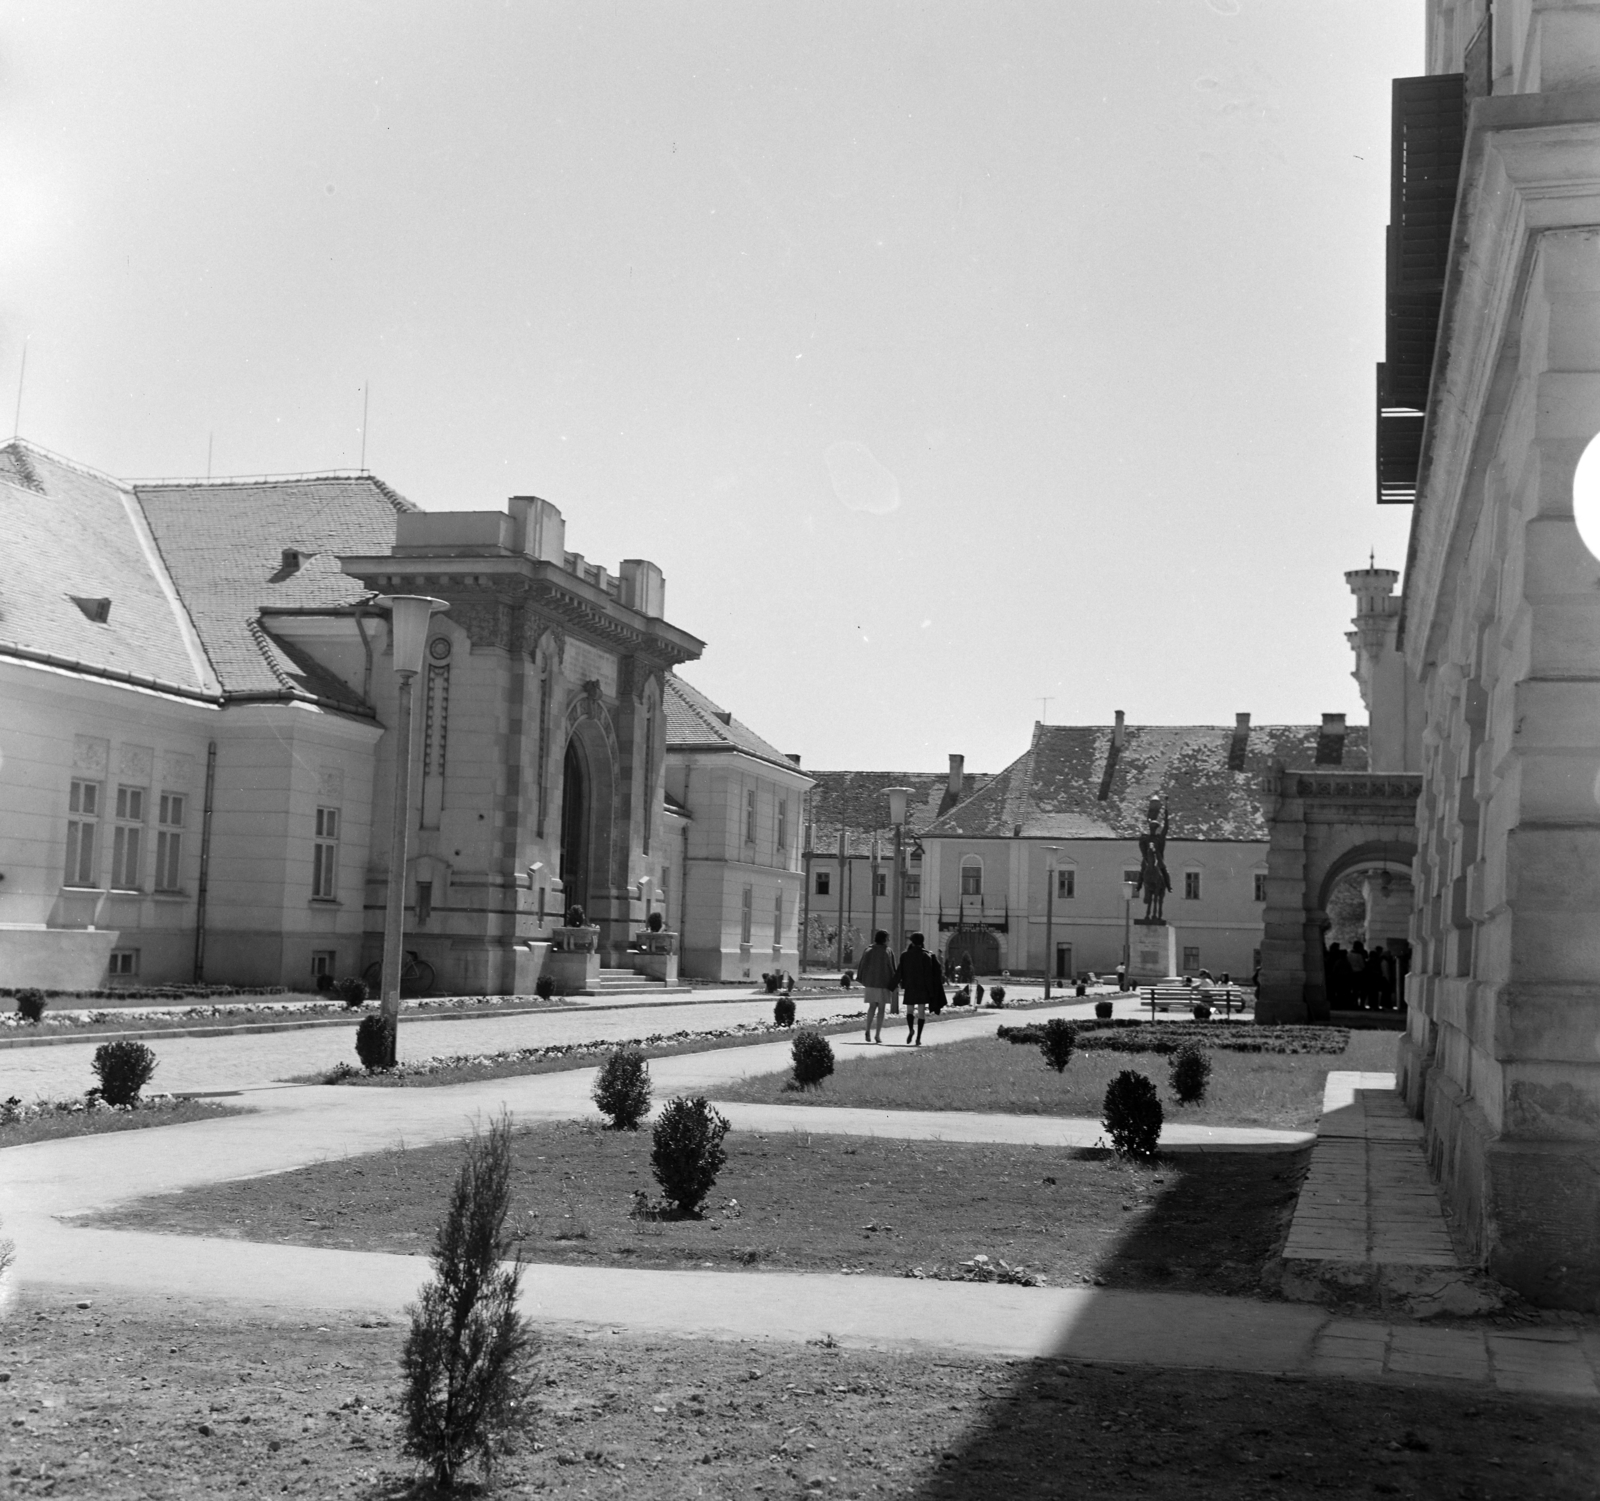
[46, 1185]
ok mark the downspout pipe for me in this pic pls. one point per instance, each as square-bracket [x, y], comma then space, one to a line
[205, 865]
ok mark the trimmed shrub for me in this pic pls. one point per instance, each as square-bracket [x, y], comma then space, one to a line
[997, 995]
[655, 922]
[1102, 1009]
[575, 916]
[686, 1151]
[123, 1069]
[1189, 1073]
[847, 979]
[1201, 1011]
[962, 997]
[772, 980]
[813, 1058]
[783, 1011]
[324, 983]
[353, 992]
[622, 1089]
[544, 987]
[30, 1004]
[468, 1359]
[1057, 1038]
[372, 1042]
[1132, 1115]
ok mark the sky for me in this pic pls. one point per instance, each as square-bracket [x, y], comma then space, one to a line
[962, 365]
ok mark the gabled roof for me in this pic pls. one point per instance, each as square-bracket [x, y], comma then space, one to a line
[1052, 791]
[71, 532]
[224, 541]
[858, 803]
[694, 723]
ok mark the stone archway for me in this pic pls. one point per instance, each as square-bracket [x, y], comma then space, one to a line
[1323, 826]
[979, 944]
[594, 870]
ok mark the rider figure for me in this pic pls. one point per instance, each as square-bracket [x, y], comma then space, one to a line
[1154, 882]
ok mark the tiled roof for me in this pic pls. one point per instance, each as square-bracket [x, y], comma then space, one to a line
[224, 541]
[694, 723]
[70, 532]
[858, 801]
[1052, 790]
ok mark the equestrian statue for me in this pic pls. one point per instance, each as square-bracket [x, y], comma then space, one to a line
[1154, 882]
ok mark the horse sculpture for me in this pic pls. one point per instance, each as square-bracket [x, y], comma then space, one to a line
[1154, 882]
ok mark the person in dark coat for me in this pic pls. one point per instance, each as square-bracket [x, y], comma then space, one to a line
[878, 974]
[964, 970]
[922, 981]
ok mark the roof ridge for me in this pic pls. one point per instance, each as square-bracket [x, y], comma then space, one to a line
[26, 446]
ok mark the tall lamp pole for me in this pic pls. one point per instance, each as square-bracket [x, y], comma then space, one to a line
[1050, 852]
[897, 816]
[408, 634]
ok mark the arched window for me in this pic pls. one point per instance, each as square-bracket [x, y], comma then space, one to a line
[971, 876]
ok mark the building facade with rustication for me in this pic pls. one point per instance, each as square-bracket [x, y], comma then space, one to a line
[1489, 395]
[197, 757]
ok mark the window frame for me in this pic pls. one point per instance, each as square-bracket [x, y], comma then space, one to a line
[822, 884]
[168, 879]
[1260, 885]
[1067, 878]
[128, 969]
[747, 913]
[973, 864]
[79, 820]
[1191, 959]
[327, 832]
[750, 815]
[1191, 886]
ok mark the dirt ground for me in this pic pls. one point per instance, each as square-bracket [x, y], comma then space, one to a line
[99, 1403]
[798, 1201]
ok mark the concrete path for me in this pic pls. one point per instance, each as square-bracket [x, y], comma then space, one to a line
[44, 1186]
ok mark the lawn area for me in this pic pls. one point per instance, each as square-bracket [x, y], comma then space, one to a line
[55, 1119]
[986, 1074]
[204, 1406]
[796, 1201]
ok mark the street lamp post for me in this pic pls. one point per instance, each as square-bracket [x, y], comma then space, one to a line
[897, 816]
[1127, 929]
[1050, 851]
[408, 634]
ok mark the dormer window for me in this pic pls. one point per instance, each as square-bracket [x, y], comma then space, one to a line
[292, 559]
[97, 610]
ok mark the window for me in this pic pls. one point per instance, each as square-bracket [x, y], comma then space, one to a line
[1191, 886]
[747, 911]
[127, 839]
[824, 882]
[323, 962]
[1131, 877]
[783, 823]
[169, 841]
[124, 962]
[424, 901]
[83, 805]
[750, 816]
[913, 888]
[971, 877]
[880, 883]
[542, 890]
[1066, 883]
[1261, 887]
[325, 857]
[777, 920]
[1191, 959]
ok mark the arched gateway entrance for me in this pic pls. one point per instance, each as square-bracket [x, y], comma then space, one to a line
[1324, 827]
[576, 816]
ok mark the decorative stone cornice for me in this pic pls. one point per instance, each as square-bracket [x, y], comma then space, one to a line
[1353, 786]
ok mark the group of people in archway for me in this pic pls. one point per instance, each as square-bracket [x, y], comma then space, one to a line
[1363, 979]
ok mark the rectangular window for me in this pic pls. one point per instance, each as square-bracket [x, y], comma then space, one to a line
[83, 805]
[1261, 888]
[127, 839]
[542, 890]
[124, 962]
[1191, 886]
[972, 880]
[824, 882]
[750, 816]
[777, 921]
[1131, 877]
[880, 883]
[323, 963]
[325, 857]
[783, 823]
[1191, 959]
[169, 841]
[424, 901]
[913, 888]
[746, 913]
[1066, 883]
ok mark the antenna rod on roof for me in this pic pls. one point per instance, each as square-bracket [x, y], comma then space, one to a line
[210, 439]
[1045, 716]
[366, 392]
[16, 423]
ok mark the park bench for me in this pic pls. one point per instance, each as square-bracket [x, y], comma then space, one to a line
[1225, 998]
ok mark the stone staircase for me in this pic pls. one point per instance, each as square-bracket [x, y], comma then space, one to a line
[629, 982]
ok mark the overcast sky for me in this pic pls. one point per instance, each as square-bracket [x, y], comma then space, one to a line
[945, 356]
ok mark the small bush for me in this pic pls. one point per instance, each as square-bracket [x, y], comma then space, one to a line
[353, 992]
[813, 1058]
[622, 1089]
[847, 979]
[1057, 1038]
[1189, 1073]
[1132, 1115]
[783, 1011]
[1102, 1009]
[468, 1359]
[575, 916]
[1201, 1011]
[30, 1004]
[372, 1042]
[772, 980]
[655, 922]
[686, 1151]
[123, 1069]
[544, 987]
[962, 997]
[324, 983]
[997, 995]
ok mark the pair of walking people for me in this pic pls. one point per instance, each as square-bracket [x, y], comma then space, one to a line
[917, 974]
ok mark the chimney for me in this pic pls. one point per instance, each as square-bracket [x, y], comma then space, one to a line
[1240, 744]
[792, 756]
[952, 788]
[1118, 731]
[1330, 741]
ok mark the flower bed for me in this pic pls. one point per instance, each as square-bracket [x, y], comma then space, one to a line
[1167, 1037]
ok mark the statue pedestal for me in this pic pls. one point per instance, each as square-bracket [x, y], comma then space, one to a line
[1153, 953]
